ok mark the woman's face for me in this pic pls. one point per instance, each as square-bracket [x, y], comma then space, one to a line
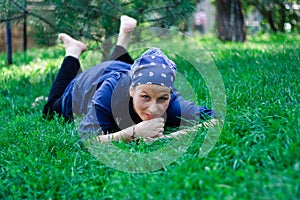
[150, 101]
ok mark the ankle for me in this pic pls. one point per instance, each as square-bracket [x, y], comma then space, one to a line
[123, 40]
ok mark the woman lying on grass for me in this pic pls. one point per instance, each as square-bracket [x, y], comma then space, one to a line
[122, 99]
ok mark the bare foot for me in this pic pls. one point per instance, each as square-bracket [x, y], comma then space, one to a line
[73, 47]
[128, 24]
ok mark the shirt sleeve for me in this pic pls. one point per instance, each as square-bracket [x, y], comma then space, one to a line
[103, 95]
[189, 111]
[116, 66]
[102, 102]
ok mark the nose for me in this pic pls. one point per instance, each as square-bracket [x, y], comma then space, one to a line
[153, 108]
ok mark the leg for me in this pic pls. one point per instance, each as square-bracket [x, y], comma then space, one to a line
[66, 74]
[120, 53]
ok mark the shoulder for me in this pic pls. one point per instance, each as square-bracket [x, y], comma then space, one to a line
[116, 66]
[112, 84]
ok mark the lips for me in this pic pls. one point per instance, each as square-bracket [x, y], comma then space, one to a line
[149, 116]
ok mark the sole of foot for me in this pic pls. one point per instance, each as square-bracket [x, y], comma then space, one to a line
[128, 24]
[71, 44]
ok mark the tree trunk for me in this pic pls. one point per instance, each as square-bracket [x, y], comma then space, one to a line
[230, 21]
[268, 15]
[282, 17]
[8, 43]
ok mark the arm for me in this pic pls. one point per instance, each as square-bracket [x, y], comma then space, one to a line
[126, 135]
[182, 112]
[207, 124]
[177, 134]
[192, 112]
[147, 129]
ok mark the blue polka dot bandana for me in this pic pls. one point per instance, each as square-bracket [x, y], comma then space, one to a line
[153, 67]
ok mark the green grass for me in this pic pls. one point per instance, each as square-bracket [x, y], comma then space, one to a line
[256, 157]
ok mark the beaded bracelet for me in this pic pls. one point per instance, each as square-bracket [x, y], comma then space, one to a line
[133, 132]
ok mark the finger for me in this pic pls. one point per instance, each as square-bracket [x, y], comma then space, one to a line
[157, 135]
[162, 120]
[159, 127]
[159, 120]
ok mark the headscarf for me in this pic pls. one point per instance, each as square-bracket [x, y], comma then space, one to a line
[153, 67]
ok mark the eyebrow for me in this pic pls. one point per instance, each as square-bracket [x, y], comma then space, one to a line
[164, 95]
[144, 92]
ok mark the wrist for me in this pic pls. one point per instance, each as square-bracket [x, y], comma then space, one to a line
[129, 133]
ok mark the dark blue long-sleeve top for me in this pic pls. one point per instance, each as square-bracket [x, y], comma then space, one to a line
[113, 104]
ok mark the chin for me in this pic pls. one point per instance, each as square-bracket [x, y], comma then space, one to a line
[144, 118]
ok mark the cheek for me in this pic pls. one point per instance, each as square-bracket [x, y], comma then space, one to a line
[138, 104]
[165, 105]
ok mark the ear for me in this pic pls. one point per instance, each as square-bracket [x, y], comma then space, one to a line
[131, 90]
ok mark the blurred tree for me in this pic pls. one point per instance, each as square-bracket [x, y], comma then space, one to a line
[230, 21]
[277, 13]
[93, 19]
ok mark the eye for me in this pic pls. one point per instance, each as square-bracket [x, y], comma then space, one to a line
[162, 99]
[146, 97]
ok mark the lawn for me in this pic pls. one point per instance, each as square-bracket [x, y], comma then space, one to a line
[256, 156]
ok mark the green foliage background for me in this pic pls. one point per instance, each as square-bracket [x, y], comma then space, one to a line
[96, 19]
[276, 13]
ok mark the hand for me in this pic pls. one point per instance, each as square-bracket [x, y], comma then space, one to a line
[150, 128]
[174, 135]
[212, 123]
